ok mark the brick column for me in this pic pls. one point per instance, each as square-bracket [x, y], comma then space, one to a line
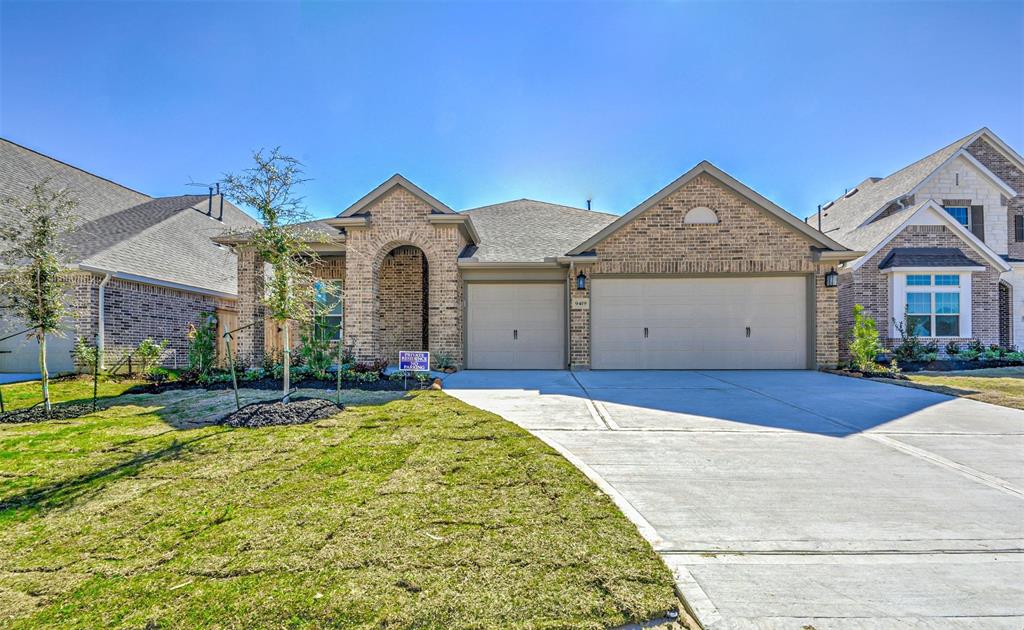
[250, 308]
[826, 325]
[579, 322]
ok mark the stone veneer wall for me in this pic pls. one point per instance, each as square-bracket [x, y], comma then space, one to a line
[400, 218]
[136, 311]
[746, 240]
[1014, 177]
[403, 302]
[869, 287]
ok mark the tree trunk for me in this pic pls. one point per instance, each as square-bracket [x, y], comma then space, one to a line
[287, 354]
[44, 375]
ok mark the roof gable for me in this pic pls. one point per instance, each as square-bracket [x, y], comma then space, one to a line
[395, 180]
[864, 203]
[925, 213]
[728, 182]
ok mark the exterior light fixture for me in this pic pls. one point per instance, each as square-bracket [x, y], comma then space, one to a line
[832, 278]
[581, 281]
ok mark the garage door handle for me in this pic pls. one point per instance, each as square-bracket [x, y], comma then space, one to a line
[645, 332]
[748, 331]
[515, 334]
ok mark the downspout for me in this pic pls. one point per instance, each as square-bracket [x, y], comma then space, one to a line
[102, 317]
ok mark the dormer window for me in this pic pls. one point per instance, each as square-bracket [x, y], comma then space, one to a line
[961, 213]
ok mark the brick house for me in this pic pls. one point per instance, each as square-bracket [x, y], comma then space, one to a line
[141, 266]
[706, 273]
[944, 243]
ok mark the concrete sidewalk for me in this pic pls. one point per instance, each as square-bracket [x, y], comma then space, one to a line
[791, 499]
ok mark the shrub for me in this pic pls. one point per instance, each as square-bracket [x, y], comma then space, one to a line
[1014, 355]
[910, 347]
[968, 355]
[991, 353]
[443, 361]
[85, 355]
[316, 348]
[864, 344]
[952, 348]
[376, 367]
[253, 374]
[149, 353]
[158, 374]
[202, 344]
[975, 345]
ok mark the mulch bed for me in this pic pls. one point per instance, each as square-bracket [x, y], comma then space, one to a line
[270, 413]
[956, 365]
[270, 384]
[67, 411]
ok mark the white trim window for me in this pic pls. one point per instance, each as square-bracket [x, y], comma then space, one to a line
[933, 304]
[961, 213]
[330, 313]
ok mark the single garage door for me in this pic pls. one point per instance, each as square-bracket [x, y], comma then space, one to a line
[516, 326]
[699, 323]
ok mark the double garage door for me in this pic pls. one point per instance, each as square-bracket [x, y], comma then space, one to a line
[645, 323]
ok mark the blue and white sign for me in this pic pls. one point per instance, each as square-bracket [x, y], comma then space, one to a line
[412, 361]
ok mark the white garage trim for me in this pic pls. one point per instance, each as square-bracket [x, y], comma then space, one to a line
[540, 344]
[680, 334]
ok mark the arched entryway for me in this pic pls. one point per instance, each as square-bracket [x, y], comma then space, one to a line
[403, 302]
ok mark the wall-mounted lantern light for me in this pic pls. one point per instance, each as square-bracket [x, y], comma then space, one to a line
[581, 281]
[832, 278]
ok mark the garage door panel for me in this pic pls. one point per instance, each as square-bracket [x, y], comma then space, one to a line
[699, 323]
[516, 326]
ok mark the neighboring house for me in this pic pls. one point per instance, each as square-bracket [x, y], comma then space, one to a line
[706, 273]
[944, 243]
[142, 266]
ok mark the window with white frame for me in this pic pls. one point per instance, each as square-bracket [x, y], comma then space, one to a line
[932, 304]
[961, 214]
[330, 308]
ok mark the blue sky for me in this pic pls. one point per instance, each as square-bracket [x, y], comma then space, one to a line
[484, 102]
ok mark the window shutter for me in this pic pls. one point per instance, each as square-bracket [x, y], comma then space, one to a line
[1018, 228]
[978, 222]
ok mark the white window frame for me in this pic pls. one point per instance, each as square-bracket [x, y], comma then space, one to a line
[969, 218]
[898, 290]
[340, 294]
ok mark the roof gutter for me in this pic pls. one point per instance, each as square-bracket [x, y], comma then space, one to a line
[167, 284]
[102, 319]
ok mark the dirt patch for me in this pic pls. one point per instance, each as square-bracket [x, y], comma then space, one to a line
[270, 413]
[38, 413]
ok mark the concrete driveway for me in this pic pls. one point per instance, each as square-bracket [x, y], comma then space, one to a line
[797, 499]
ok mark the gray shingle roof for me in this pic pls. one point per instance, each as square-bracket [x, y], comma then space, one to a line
[926, 257]
[122, 230]
[846, 214]
[530, 231]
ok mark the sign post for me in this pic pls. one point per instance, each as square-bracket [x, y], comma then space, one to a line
[413, 361]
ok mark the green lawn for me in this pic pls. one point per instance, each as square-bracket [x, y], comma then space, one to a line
[64, 389]
[999, 386]
[419, 512]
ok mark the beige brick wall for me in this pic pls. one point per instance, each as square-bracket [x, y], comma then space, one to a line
[398, 219]
[869, 287]
[747, 240]
[962, 181]
[135, 311]
[1014, 177]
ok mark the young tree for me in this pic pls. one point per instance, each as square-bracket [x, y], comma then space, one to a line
[32, 257]
[268, 187]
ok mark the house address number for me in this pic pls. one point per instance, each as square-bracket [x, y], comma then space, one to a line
[580, 303]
